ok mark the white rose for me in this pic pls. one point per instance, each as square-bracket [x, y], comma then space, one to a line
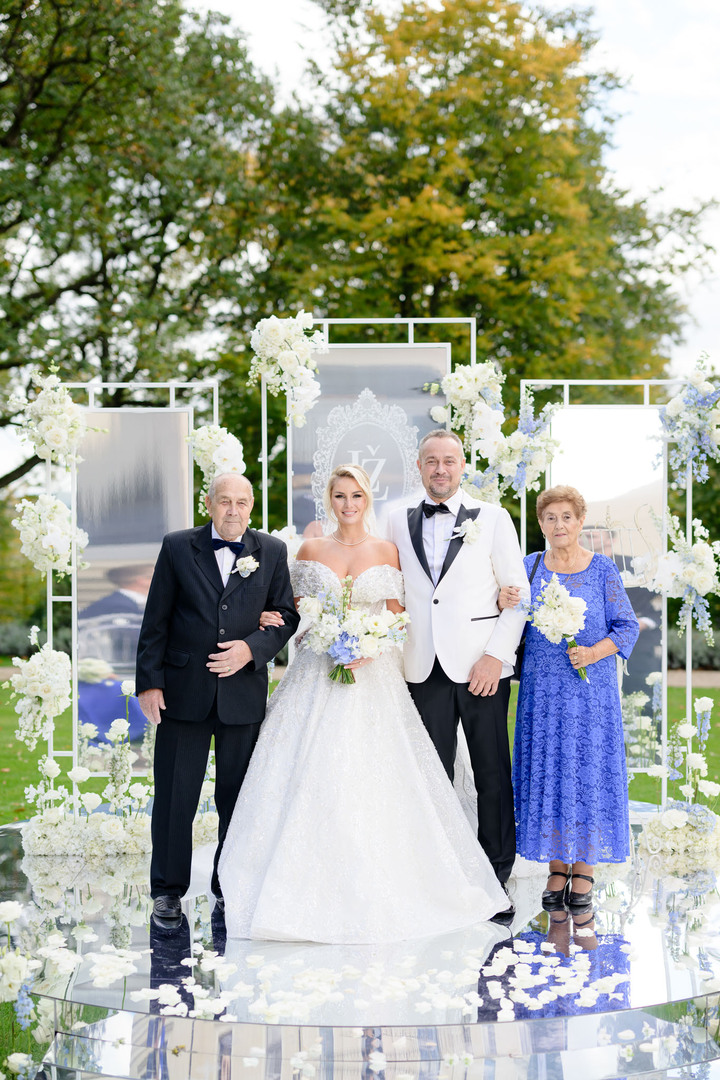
[703, 704]
[439, 414]
[118, 729]
[90, 800]
[686, 731]
[127, 687]
[369, 646]
[709, 788]
[79, 774]
[50, 768]
[697, 763]
[697, 377]
[304, 319]
[673, 819]
[10, 910]
[674, 407]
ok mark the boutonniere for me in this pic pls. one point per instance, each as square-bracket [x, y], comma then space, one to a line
[245, 567]
[469, 531]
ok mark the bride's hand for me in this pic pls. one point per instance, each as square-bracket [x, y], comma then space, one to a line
[270, 618]
[360, 662]
[508, 597]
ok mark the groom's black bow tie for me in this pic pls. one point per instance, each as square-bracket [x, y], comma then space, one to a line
[235, 546]
[435, 508]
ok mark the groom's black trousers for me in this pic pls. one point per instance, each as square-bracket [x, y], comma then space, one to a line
[441, 704]
[181, 754]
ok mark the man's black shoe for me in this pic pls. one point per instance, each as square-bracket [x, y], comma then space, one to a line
[506, 916]
[167, 911]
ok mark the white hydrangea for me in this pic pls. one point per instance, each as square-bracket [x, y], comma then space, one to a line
[53, 423]
[47, 534]
[284, 351]
[42, 685]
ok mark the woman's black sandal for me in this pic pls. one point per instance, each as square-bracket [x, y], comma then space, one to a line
[554, 899]
[581, 901]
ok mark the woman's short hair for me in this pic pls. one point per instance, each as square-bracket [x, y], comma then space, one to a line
[561, 493]
[360, 477]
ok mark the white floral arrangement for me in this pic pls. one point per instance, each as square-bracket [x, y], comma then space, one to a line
[517, 461]
[47, 534]
[42, 684]
[347, 634]
[245, 566]
[691, 420]
[686, 835]
[469, 532]
[690, 572]
[291, 538]
[284, 350]
[52, 422]
[215, 450]
[558, 615]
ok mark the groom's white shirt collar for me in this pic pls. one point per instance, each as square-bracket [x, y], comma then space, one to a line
[436, 533]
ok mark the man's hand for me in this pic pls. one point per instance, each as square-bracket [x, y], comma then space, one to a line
[151, 702]
[235, 655]
[485, 676]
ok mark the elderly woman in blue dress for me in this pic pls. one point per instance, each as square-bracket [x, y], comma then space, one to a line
[569, 775]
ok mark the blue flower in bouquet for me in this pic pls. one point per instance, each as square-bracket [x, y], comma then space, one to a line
[345, 648]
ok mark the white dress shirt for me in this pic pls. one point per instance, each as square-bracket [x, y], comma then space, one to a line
[225, 556]
[437, 533]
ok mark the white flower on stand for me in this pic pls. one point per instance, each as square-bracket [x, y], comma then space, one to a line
[47, 534]
[291, 538]
[53, 423]
[690, 572]
[691, 421]
[42, 685]
[215, 451]
[284, 351]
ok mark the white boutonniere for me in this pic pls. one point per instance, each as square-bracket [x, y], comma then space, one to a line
[469, 531]
[245, 567]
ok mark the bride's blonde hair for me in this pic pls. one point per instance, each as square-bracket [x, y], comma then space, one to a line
[361, 478]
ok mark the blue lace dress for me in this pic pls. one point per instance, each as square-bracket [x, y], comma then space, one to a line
[569, 775]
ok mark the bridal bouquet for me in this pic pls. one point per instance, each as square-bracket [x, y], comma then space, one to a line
[347, 634]
[558, 616]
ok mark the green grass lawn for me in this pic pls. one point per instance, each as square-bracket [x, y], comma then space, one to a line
[18, 765]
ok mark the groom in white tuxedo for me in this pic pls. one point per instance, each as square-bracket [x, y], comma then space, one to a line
[456, 553]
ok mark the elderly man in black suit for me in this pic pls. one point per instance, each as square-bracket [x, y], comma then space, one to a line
[201, 672]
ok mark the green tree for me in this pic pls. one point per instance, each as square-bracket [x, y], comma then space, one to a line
[464, 175]
[128, 200]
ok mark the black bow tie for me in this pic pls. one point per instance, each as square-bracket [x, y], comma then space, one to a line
[435, 508]
[235, 546]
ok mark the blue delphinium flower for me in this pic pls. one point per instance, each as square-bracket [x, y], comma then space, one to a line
[24, 1006]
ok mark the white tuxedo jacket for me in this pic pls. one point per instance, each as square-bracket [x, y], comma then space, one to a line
[458, 620]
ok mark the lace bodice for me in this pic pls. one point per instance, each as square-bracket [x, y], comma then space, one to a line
[370, 591]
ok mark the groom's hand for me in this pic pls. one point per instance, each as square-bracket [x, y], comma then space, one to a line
[485, 676]
[151, 702]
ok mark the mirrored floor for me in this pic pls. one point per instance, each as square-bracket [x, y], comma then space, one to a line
[632, 988]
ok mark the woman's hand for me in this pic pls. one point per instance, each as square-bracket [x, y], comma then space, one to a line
[582, 655]
[270, 618]
[360, 662]
[509, 596]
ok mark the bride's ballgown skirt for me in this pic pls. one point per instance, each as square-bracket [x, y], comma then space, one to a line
[347, 828]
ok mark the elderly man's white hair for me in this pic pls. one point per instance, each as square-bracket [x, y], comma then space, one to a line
[221, 476]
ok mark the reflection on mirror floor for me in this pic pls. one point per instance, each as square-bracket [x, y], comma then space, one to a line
[631, 989]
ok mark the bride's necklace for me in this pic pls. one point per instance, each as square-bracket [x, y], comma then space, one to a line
[348, 543]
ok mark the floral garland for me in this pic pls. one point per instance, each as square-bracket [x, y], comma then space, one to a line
[691, 420]
[53, 423]
[215, 451]
[47, 534]
[42, 685]
[284, 356]
[689, 573]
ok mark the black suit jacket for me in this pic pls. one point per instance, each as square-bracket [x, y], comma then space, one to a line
[188, 612]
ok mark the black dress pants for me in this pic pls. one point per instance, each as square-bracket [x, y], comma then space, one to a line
[181, 754]
[441, 704]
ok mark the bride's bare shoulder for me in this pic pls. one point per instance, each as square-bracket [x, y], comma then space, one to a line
[313, 549]
[386, 553]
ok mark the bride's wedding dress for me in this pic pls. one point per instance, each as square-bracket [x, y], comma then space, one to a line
[347, 828]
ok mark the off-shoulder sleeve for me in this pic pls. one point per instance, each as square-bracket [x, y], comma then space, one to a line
[395, 585]
[623, 627]
[307, 577]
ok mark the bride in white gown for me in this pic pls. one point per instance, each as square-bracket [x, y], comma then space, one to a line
[347, 829]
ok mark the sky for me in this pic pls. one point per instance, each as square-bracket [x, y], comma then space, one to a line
[667, 142]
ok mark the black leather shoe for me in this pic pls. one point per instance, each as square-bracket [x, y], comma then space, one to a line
[506, 916]
[167, 911]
